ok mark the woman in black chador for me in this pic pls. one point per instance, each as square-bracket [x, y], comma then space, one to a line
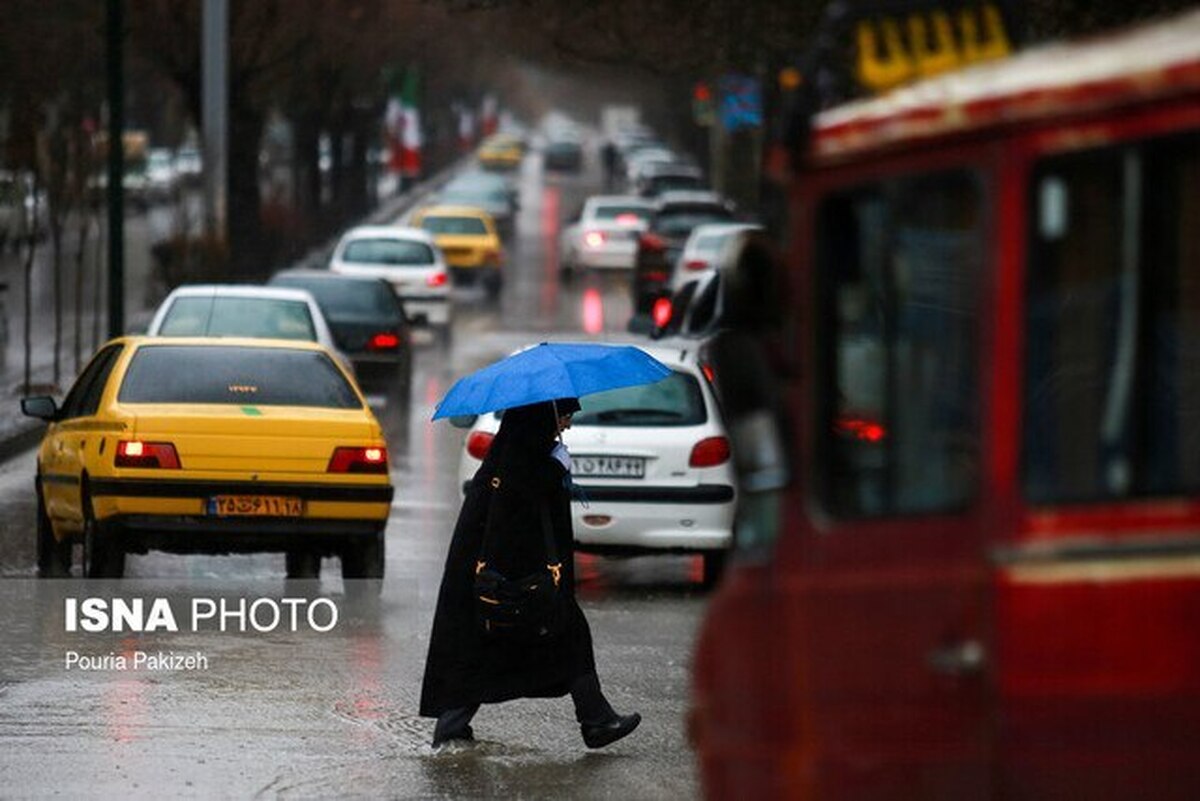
[465, 668]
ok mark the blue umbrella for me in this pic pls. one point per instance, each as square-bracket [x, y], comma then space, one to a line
[548, 371]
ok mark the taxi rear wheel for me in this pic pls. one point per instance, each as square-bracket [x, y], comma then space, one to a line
[714, 566]
[103, 557]
[363, 558]
[303, 565]
[53, 556]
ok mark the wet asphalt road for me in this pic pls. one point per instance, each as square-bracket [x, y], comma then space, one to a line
[308, 714]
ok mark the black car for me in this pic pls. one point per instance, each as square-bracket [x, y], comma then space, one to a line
[368, 324]
[563, 154]
[660, 245]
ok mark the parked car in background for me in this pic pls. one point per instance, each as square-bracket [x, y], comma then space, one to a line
[676, 214]
[369, 325]
[200, 445]
[488, 191]
[162, 178]
[651, 464]
[605, 233]
[409, 260]
[469, 242]
[657, 177]
[189, 164]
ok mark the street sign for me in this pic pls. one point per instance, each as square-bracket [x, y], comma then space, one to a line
[741, 102]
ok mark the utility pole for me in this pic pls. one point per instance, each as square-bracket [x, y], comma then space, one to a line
[214, 50]
[116, 168]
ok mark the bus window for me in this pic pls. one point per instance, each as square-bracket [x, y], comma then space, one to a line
[1112, 303]
[900, 268]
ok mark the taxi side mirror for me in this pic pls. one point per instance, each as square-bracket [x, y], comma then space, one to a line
[42, 407]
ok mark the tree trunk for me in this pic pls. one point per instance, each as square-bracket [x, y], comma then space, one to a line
[85, 225]
[244, 206]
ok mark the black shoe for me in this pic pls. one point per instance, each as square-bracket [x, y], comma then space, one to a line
[602, 734]
[462, 734]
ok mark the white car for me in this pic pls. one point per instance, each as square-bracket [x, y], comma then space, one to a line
[605, 236]
[408, 259]
[240, 310]
[652, 463]
[703, 248]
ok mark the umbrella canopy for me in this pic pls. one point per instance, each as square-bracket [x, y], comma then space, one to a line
[548, 371]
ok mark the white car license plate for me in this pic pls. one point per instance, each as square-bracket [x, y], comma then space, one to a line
[608, 466]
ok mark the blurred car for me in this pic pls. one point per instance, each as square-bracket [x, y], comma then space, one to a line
[409, 260]
[704, 248]
[500, 152]
[563, 154]
[486, 191]
[189, 165]
[240, 310]
[676, 214]
[469, 241]
[605, 234]
[656, 177]
[651, 464]
[211, 446]
[368, 324]
[162, 179]
[22, 210]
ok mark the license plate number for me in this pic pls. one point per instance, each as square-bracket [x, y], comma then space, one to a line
[255, 506]
[609, 466]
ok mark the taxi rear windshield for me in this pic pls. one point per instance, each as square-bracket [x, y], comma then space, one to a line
[454, 225]
[398, 252]
[675, 401]
[235, 375]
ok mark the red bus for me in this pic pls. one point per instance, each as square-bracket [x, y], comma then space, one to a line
[968, 557]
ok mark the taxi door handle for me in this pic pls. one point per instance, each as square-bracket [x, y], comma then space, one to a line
[966, 658]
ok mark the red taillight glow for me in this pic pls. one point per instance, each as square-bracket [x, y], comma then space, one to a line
[479, 443]
[358, 460]
[154, 455]
[708, 371]
[695, 264]
[384, 340]
[652, 242]
[493, 256]
[655, 275]
[661, 312]
[709, 452]
[627, 219]
[861, 429]
[594, 239]
[437, 279]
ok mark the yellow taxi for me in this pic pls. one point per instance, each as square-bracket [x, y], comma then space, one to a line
[500, 152]
[201, 445]
[468, 239]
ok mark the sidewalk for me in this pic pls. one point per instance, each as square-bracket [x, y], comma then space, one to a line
[17, 432]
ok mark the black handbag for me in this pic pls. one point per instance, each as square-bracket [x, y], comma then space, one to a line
[525, 608]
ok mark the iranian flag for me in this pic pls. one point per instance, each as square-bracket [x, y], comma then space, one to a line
[406, 159]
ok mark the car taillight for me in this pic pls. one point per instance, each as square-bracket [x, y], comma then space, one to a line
[627, 219]
[493, 256]
[479, 443]
[384, 340]
[437, 279]
[358, 460]
[659, 276]
[708, 371]
[709, 452]
[661, 312]
[652, 242]
[594, 239]
[860, 428]
[156, 455]
[695, 264]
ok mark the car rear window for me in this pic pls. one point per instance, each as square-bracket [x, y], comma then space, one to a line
[341, 298]
[229, 374]
[454, 225]
[666, 183]
[397, 252]
[678, 222]
[238, 317]
[614, 212]
[675, 401]
[710, 243]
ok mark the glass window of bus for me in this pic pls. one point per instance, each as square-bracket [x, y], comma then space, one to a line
[899, 266]
[1112, 302]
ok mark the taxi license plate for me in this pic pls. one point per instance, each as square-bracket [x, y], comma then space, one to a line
[608, 466]
[255, 506]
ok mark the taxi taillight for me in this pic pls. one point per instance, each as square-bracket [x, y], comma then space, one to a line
[479, 443]
[436, 279]
[384, 340]
[358, 460]
[493, 257]
[709, 452]
[155, 455]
